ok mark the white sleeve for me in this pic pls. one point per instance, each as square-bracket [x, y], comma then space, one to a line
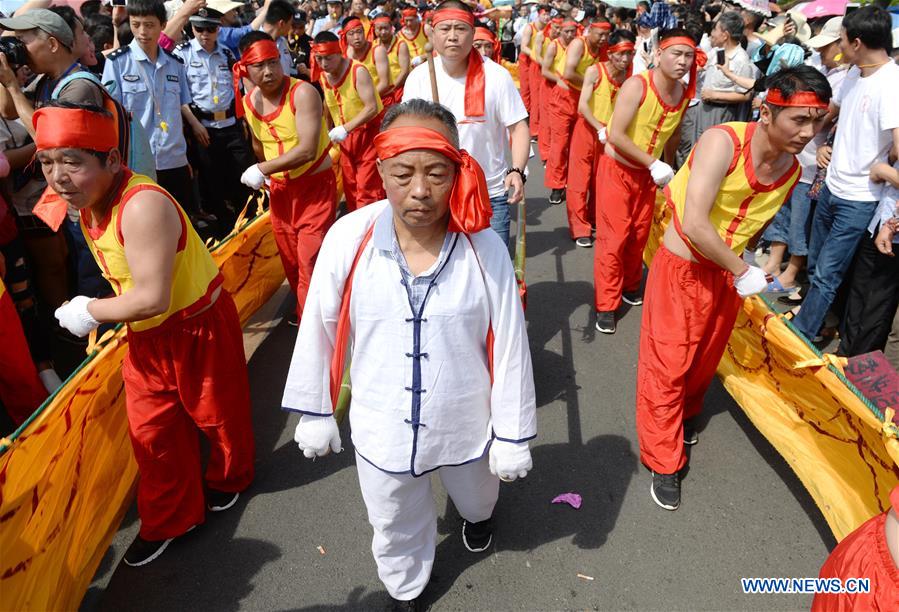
[413, 86]
[889, 110]
[307, 389]
[513, 404]
[511, 106]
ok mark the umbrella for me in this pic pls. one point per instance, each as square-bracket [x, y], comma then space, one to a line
[824, 8]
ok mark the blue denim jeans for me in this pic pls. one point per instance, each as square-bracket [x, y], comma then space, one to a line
[792, 224]
[837, 228]
[501, 218]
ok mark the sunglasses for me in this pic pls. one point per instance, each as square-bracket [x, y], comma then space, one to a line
[206, 29]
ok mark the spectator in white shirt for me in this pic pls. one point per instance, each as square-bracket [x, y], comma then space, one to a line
[867, 132]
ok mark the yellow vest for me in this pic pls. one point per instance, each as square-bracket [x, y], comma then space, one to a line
[602, 102]
[368, 60]
[587, 60]
[534, 32]
[655, 121]
[417, 43]
[393, 59]
[743, 205]
[343, 99]
[195, 276]
[277, 131]
[559, 59]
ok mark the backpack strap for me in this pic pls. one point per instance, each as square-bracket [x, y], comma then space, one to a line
[80, 74]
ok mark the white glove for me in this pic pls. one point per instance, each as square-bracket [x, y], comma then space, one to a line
[603, 137]
[752, 281]
[338, 134]
[315, 434]
[421, 59]
[661, 172]
[73, 316]
[252, 177]
[510, 460]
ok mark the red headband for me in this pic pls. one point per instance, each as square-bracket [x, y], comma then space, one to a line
[382, 18]
[602, 25]
[800, 98]
[568, 23]
[351, 24]
[487, 35]
[469, 204]
[621, 47]
[688, 42]
[260, 51]
[327, 48]
[73, 128]
[70, 128]
[451, 13]
[556, 20]
[409, 12]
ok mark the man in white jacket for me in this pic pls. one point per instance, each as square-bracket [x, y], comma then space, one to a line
[423, 297]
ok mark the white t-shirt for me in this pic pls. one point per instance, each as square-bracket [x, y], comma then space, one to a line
[868, 114]
[808, 157]
[485, 138]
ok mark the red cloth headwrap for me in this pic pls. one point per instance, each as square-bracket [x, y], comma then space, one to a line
[485, 34]
[621, 47]
[602, 25]
[331, 47]
[70, 128]
[260, 51]
[469, 204]
[800, 98]
[689, 42]
[474, 78]
[352, 23]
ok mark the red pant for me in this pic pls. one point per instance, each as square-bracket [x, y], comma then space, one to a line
[524, 80]
[179, 377]
[581, 182]
[563, 111]
[544, 137]
[535, 84]
[21, 391]
[359, 164]
[623, 217]
[302, 211]
[688, 315]
[862, 554]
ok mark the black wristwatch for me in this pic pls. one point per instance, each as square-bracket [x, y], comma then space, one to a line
[520, 172]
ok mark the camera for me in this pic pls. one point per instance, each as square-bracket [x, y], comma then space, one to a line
[16, 53]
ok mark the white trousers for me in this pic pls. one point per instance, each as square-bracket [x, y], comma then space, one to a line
[403, 514]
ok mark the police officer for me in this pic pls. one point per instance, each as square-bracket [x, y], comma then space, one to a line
[151, 84]
[220, 150]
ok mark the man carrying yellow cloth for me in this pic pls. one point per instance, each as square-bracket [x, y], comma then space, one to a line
[185, 367]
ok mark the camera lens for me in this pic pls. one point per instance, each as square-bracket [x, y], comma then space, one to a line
[15, 51]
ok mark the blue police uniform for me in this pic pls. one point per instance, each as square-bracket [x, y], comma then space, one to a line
[209, 80]
[154, 93]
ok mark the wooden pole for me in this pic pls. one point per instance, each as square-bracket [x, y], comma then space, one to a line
[429, 55]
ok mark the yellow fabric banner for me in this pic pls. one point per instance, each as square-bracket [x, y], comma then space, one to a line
[832, 437]
[69, 475]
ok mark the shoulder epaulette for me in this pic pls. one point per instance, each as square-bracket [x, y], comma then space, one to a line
[173, 56]
[119, 52]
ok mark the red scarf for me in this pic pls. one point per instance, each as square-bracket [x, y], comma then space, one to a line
[485, 34]
[474, 78]
[260, 51]
[469, 205]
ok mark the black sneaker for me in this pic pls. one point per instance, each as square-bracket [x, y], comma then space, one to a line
[144, 551]
[584, 242]
[477, 537]
[605, 322]
[555, 197]
[634, 298]
[400, 605]
[665, 490]
[691, 436]
[217, 501]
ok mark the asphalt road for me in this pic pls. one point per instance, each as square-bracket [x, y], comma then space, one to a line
[743, 513]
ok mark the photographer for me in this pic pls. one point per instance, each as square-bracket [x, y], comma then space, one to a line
[47, 44]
